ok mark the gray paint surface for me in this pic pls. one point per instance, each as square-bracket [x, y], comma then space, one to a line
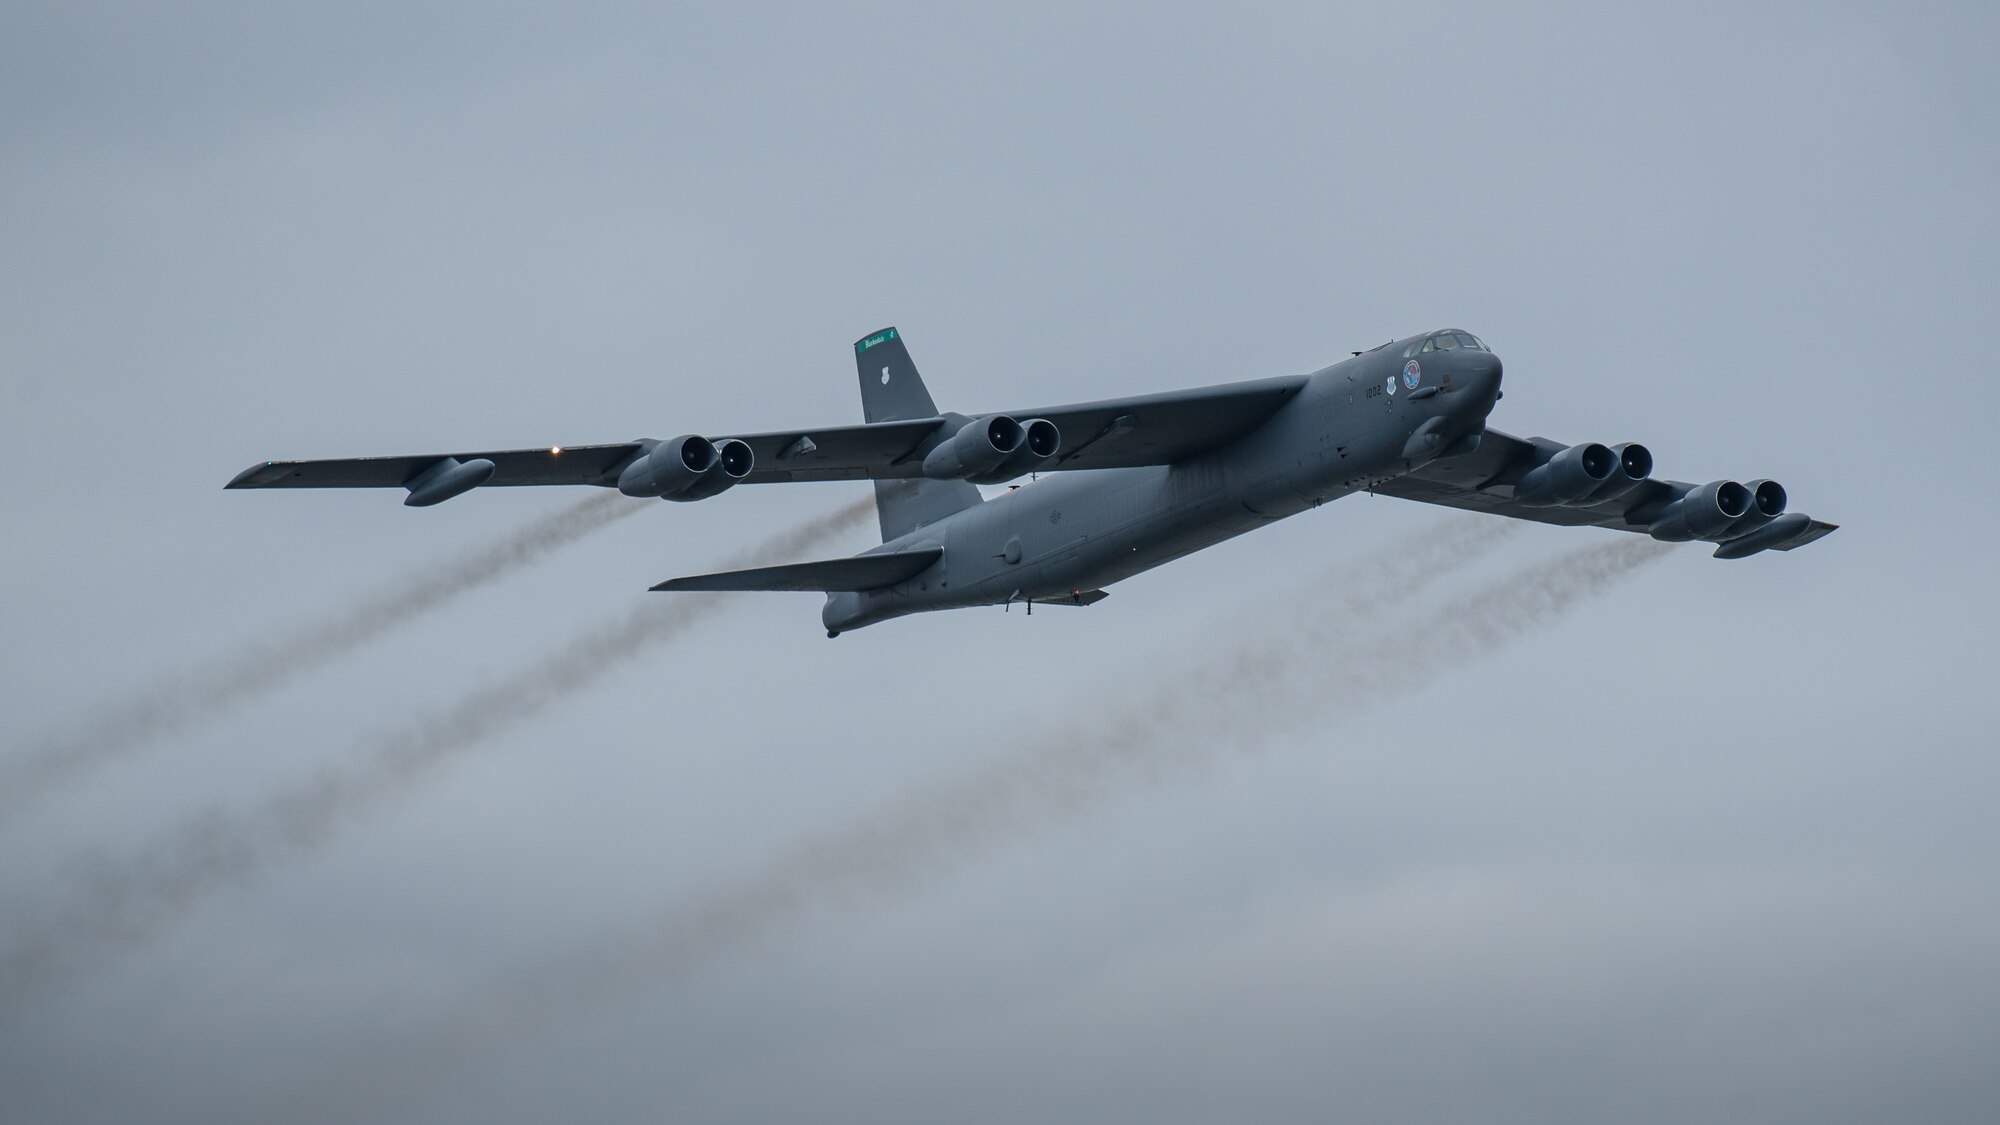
[1139, 482]
[1719, 845]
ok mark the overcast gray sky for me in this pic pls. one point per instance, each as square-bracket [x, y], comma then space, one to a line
[1718, 844]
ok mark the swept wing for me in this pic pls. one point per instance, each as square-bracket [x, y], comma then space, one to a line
[1487, 479]
[1153, 429]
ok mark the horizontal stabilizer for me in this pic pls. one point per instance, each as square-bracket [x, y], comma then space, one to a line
[862, 572]
[1080, 597]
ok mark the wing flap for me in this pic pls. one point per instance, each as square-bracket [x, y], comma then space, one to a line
[862, 572]
[871, 450]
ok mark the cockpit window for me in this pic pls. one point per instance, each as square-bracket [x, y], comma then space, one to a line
[1412, 349]
[1452, 339]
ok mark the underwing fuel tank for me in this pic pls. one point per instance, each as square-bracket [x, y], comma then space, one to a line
[446, 479]
[1778, 532]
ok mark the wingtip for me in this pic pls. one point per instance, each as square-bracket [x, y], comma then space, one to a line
[263, 472]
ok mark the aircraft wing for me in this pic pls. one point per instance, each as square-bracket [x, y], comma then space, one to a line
[582, 464]
[1155, 429]
[1485, 480]
[1151, 429]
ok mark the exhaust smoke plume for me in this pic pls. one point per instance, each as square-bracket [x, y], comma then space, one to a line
[117, 905]
[1299, 644]
[1194, 715]
[183, 699]
[1337, 645]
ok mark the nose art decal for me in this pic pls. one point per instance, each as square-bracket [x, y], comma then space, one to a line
[1412, 373]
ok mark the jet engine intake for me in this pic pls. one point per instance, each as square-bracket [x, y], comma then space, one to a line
[1767, 502]
[1635, 467]
[1569, 476]
[733, 462]
[1703, 512]
[1040, 441]
[671, 468]
[978, 448]
[1043, 439]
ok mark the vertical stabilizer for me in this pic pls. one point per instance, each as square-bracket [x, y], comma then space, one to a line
[892, 391]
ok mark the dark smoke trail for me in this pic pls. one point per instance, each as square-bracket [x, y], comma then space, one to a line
[1195, 716]
[121, 904]
[186, 698]
[909, 836]
[1185, 719]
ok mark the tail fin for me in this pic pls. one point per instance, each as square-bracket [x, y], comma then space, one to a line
[892, 391]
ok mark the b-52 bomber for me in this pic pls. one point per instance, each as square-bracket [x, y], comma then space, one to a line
[1122, 485]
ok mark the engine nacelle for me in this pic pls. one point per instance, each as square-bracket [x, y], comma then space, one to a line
[1767, 502]
[733, 462]
[978, 448]
[1040, 441]
[1703, 512]
[1635, 467]
[1567, 477]
[670, 468]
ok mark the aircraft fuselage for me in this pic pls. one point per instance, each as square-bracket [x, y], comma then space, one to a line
[1355, 424]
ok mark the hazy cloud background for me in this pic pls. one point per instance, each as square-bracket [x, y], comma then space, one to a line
[1720, 845]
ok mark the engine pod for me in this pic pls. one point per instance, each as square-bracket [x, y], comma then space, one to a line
[669, 468]
[1041, 440]
[979, 447]
[1569, 476]
[1635, 467]
[1767, 503]
[733, 462]
[1702, 512]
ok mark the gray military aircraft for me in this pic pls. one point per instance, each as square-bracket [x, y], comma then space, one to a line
[1136, 482]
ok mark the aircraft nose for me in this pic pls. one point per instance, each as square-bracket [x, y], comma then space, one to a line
[1482, 374]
